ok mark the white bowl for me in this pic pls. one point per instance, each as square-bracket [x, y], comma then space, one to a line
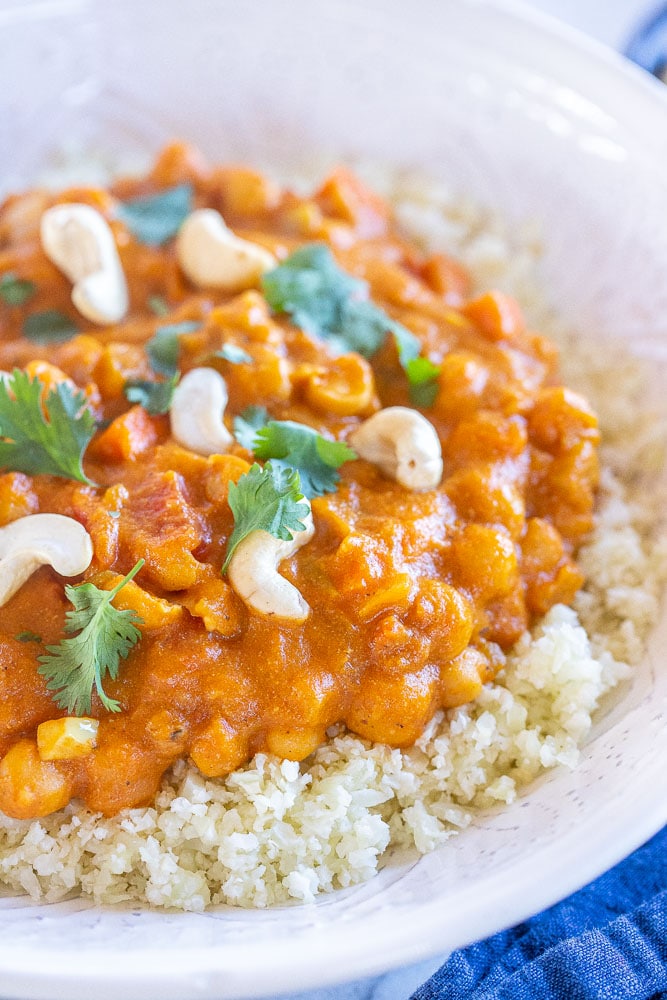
[521, 115]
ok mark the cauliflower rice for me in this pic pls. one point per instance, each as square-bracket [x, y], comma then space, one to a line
[276, 831]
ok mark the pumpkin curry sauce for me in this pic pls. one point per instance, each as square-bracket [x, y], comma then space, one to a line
[396, 491]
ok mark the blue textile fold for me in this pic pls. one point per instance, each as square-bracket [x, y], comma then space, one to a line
[648, 45]
[606, 942]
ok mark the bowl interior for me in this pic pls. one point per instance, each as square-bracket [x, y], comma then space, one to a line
[510, 111]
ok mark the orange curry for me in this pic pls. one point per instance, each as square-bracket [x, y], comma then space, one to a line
[416, 596]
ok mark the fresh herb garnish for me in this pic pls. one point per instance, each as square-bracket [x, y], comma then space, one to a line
[329, 303]
[235, 355]
[311, 288]
[155, 397]
[157, 218]
[75, 666]
[158, 305]
[295, 446]
[423, 379]
[28, 637]
[48, 327]
[43, 435]
[266, 499]
[163, 348]
[246, 425]
[15, 291]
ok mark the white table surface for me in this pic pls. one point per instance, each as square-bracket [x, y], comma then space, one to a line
[612, 23]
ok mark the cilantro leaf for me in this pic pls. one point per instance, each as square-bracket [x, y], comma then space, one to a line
[423, 379]
[163, 348]
[47, 436]
[15, 291]
[248, 423]
[235, 355]
[364, 328]
[266, 499]
[75, 666]
[28, 637]
[158, 305]
[155, 219]
[155, 397]
[407, 345]
[311, 288]
[50, 326]
[294, 446]
[329, 303]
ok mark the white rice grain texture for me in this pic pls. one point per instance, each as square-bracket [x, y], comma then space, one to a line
[275, 831]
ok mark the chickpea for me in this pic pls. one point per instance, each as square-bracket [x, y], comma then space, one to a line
[446, 616]
[394, 708]
[294, 743]
[560, 419]
[346, 389]
[29, 786]
[461, 679]
[462, 382]
[486, 561]
[485, 437]
[486, 494]
[396, 647]
[219, 748]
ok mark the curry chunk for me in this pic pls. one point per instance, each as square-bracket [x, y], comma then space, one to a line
[158, 520]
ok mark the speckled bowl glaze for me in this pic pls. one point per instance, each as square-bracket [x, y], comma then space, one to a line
[523, 116]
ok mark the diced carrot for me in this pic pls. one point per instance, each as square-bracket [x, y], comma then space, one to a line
[217, 605]
[49, 375]
[179, 162]
[496, 315]
[160, 524]
[116, 364]
[447, 277]
[129, 435]
[155, 612]
[344, 196]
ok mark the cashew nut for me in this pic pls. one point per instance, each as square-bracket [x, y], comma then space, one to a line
[37, 540]
[403, 444]
[196, 412]
[211, 256]
[253, 573]
[79, 241]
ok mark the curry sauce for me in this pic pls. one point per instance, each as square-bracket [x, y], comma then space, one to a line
[415, 596]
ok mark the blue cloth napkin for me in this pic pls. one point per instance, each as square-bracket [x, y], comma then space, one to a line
[606, 942]
[648, 45]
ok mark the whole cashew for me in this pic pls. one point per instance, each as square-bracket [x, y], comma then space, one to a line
[78, 240]
[403, 444]
[211, 256]
[196, 412]
[37, 540]
[253, 573]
